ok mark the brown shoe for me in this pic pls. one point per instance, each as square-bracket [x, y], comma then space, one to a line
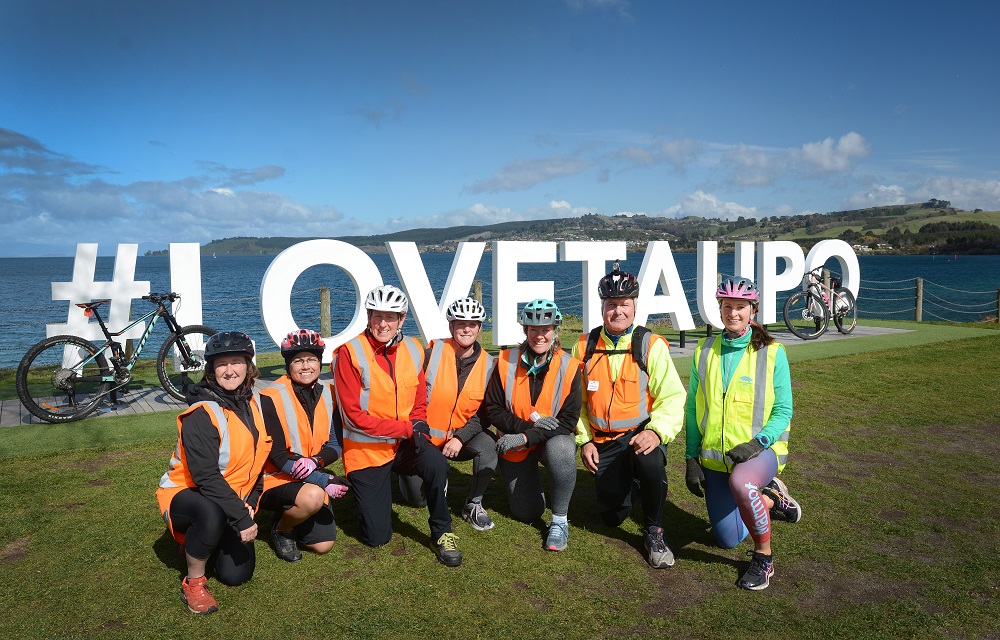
[196, 596]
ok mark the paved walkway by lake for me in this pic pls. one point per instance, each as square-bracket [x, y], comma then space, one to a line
[147, 400]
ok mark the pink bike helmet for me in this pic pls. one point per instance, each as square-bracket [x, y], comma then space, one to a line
[739, 288]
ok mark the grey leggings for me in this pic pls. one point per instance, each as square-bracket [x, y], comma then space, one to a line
[481, 449]
[524, 484]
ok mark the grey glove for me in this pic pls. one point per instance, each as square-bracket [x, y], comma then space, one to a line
[511, 441]
[421, 428]
[548, 423]
[694, 477]
[746, 451]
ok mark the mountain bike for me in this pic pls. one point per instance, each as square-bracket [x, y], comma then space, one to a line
[64, 378]
[808, 312]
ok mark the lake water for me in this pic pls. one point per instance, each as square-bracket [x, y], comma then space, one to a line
[956, 288]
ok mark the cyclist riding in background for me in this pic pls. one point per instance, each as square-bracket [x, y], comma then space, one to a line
[457, 370]
[737, 421]
[633, 406]
[533, 400]
[301, 417]
[208, 496]
[382, 394]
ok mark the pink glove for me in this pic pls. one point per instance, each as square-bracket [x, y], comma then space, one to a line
[302, 468]
[336, 490]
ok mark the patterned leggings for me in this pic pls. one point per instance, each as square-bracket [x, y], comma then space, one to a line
[735, 504]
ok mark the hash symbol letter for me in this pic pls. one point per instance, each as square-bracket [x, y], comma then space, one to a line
[121, 290]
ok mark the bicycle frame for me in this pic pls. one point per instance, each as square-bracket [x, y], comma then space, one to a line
[117, 359]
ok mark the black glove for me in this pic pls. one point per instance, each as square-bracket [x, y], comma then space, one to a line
[421, 428]
[746, 451]
[694, 477]
[548, 423]
[511, 441]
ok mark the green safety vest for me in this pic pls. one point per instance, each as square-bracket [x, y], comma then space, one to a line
[726, 420]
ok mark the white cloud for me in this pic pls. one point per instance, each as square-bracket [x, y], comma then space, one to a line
[707, 205]
[962, 193]
[833, 156]
[752, 167]
[877, 196]
[524, 174]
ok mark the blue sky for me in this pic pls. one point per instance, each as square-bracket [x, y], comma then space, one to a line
[184, 121]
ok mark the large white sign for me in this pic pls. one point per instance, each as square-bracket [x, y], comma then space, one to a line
[775, 266]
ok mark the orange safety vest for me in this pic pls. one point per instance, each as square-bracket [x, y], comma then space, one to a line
[556, 387]
[381, 397]
[616, 406]
[239, 462]
[300, 437]
[447, 407]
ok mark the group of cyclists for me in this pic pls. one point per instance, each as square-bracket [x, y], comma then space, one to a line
[397, 408]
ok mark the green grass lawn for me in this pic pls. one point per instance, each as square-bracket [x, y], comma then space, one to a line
[892, 457]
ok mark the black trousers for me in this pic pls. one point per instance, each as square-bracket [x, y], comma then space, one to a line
[372, 489]
[622, 473]
[208, 534]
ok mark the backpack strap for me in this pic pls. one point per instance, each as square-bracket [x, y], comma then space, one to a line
[640, 343]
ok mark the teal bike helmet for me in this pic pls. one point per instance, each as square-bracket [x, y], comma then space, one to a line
[540, 313]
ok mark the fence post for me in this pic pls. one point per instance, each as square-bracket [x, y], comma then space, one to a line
[324, 312]
[918, 305]
[477, 290]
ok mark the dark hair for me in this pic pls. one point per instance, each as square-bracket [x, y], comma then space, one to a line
[760, 338]
[246, 387]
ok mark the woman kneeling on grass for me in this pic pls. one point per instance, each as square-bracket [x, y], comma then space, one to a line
[533, 400]
[737, 419]
[208, 496]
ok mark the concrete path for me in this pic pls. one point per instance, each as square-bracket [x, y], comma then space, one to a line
[136, 401]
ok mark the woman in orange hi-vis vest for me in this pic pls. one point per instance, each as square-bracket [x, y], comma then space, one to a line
[300, 416]
[208, 496]
[382, 395]
[457, 371]
[533, 400]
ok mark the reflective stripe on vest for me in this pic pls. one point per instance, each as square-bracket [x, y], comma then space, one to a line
[615, 397]
[762, 401]
[288, 405]
[363, 450]
[240, 459]
[556, 386]
[296, 425]
[449, 406]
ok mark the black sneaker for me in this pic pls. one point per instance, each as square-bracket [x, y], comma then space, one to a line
[447, 551]
[475, 514]
[785, 507]
[658, 553]
[285, 546]
[758, 576]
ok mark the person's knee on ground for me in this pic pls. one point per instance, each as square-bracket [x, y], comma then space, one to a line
[412, 490]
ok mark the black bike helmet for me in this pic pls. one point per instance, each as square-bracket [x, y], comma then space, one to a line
[226, 342]
[302, 340]
[618, 284]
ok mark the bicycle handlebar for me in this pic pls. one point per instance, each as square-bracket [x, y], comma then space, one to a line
[157, 298]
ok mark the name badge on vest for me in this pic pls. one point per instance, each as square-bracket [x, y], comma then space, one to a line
[592, 385]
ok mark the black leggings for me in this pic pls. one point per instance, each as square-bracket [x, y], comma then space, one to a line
[207, 534]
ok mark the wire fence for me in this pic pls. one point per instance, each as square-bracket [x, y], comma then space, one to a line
[908, 299]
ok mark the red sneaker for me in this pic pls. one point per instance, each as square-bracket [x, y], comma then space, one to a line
[196, 596]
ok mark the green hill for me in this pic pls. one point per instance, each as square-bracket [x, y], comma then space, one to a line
[930, 227]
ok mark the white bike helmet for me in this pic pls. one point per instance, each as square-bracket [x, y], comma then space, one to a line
[466, 309]
[386, 298]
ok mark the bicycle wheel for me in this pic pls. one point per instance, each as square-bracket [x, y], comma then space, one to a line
[845, 315]
[806, 315]
[62, 379]
[181, 361]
